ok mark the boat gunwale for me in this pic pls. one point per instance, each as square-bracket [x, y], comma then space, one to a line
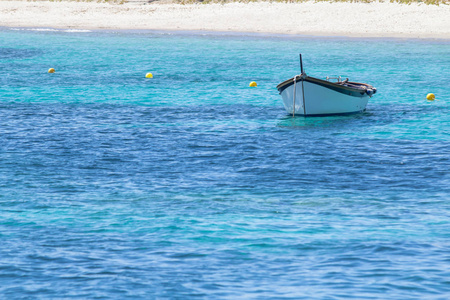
[339, 87]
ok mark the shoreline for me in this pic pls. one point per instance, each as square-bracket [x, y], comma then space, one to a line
[309, 19]
[199, 33]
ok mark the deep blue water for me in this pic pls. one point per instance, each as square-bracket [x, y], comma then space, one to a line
[193, 185]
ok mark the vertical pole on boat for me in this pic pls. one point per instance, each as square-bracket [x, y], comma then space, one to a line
[301, 64]
[295, 84]
[303, 88]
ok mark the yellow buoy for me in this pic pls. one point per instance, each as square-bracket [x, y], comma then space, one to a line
[51, 70]
[252, 84]
[149, 75]
[430, 97]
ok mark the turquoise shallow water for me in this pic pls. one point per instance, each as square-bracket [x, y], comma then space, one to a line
[193, 185]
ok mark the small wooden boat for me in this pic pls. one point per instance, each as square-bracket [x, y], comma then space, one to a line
[309, 96]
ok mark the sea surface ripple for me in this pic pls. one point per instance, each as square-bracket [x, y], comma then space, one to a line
[191, 185]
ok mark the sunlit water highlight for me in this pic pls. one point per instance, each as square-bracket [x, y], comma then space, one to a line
[193, 185]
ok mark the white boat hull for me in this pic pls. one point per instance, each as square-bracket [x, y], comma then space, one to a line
[315, 97]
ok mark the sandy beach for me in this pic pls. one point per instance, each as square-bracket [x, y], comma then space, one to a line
[378, 19]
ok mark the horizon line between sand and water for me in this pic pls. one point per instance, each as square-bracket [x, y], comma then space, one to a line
[249, 34]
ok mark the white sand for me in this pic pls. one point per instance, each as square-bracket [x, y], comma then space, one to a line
[322, 18]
